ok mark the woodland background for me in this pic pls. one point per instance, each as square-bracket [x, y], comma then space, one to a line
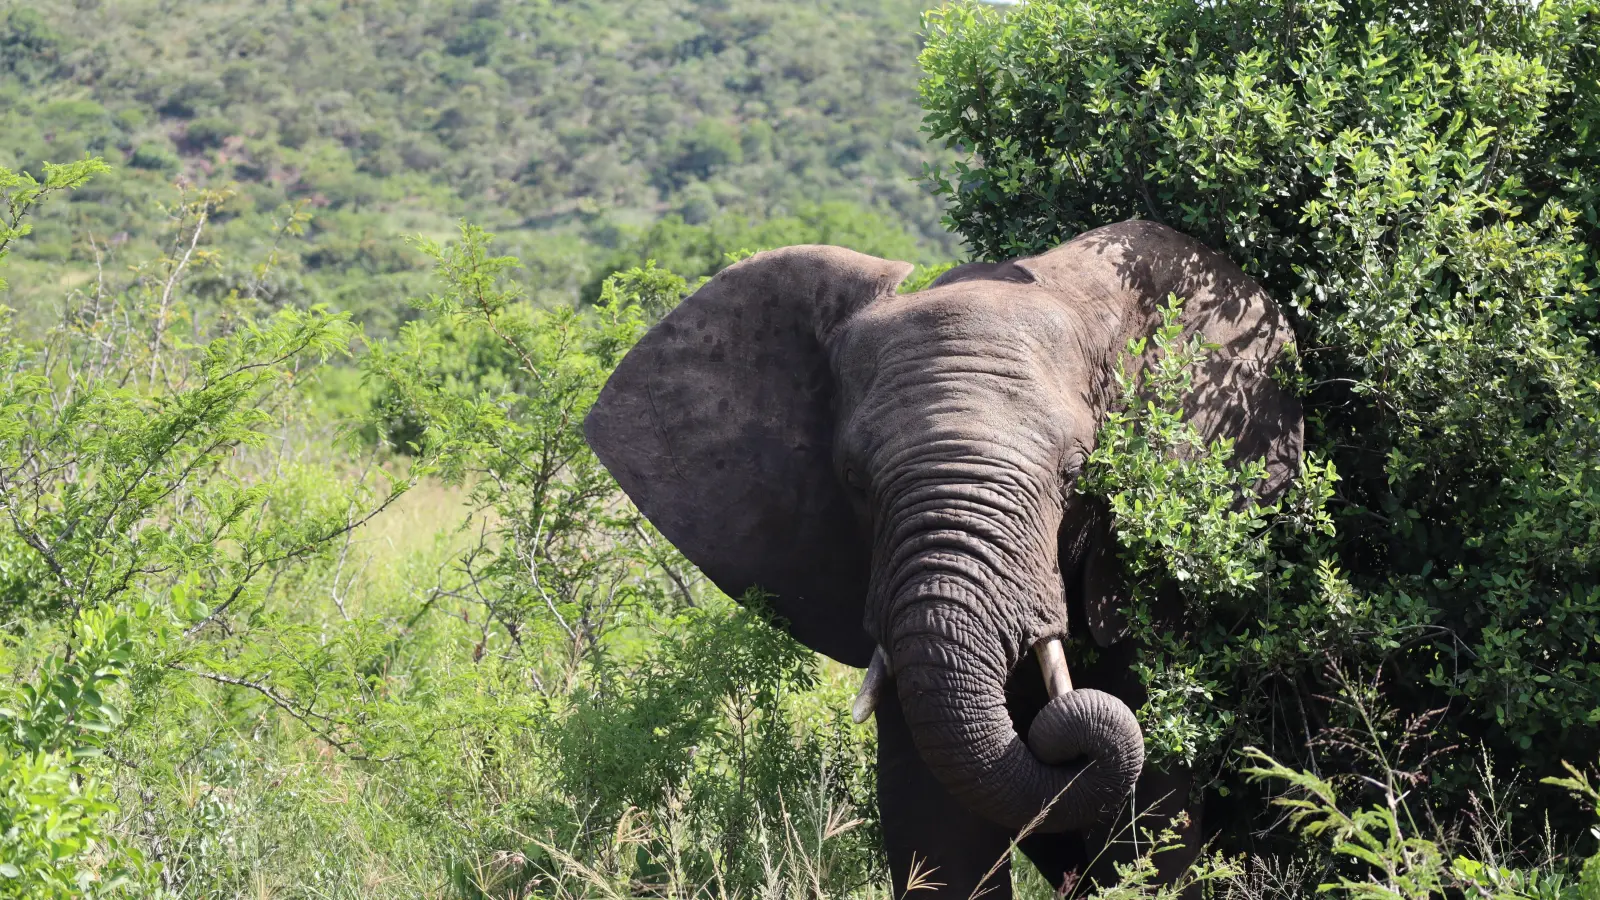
[309, 586]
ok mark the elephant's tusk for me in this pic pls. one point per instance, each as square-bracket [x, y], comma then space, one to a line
[1053, 663]
[867, 697]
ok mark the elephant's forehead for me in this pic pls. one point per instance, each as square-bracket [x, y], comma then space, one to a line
[998, 358]
[1000, 319]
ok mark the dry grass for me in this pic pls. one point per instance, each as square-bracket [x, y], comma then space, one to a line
[416, 520]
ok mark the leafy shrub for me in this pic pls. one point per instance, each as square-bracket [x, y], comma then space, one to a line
[208, 132]
[1188, 519]
[29, 46]
[1416, 184]
[155, 156]
[707, 147]
[133, 536]
[714, 723]
[54, 839]
[74, 115]
[475, 38]
[191, 96]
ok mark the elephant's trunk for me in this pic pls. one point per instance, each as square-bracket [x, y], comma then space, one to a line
[967, 578]
[1084, 750]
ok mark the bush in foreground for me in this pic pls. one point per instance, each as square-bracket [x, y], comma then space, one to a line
[1416, 182]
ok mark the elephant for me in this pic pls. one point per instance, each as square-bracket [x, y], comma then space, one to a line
[896, 472]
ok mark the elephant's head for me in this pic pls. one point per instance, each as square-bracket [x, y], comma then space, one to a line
[896, 471]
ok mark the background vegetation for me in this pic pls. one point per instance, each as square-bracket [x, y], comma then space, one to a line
[309, 586]
[569, 128]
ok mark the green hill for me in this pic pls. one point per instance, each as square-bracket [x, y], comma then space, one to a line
[570, 128]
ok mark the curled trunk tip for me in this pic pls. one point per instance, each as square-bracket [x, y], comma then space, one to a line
[1083, 753]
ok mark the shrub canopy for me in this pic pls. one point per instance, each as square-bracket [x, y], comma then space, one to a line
[1416, 184]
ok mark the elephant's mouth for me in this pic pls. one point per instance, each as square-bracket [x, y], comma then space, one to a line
[1083, 749]
[1048, 653]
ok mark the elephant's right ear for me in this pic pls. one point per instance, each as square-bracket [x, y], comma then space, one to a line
[1120, 276]
[719, 425]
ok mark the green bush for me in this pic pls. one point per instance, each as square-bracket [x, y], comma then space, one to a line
[55, 839]
[707, 147]
[74, 115]
[151, 155]
[29, 45]
[208, 132]
[1417, 185]
[137, 541]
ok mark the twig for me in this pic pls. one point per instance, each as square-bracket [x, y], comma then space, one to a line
[303, 717]
[305, 548]
[166, 296]
[683, 589]
[533, 572]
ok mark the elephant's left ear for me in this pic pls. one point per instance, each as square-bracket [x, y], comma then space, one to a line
[719, 425]
[1121, 275]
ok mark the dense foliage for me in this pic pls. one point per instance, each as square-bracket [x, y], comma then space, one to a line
[1416, 184]
[570, 128]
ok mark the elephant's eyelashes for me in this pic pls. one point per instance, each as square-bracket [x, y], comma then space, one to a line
[853, 479]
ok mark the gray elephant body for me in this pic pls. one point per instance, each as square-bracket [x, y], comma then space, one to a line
[897, 470]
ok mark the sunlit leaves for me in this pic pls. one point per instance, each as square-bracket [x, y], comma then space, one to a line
[21, 192]
[1189, 522]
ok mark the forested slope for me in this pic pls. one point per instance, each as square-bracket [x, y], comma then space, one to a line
[567, 127]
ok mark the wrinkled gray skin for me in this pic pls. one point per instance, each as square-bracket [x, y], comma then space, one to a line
[898, 469]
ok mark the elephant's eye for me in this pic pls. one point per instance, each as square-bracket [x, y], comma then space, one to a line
[1075, 463]
[853, 479]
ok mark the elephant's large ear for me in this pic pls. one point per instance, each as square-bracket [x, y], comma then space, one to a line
[719, 424]
[1122, 274]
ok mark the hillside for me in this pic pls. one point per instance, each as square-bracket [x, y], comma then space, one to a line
[567, 128]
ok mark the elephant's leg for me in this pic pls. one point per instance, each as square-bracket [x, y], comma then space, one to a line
[1060, 858]
[1160, 801]
[1161, 798]
[923, 825]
